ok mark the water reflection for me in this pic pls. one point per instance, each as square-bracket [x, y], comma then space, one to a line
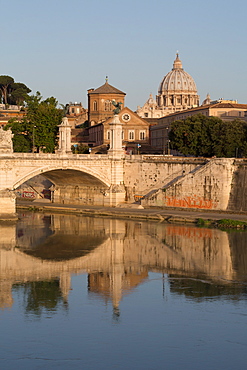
[39, 254]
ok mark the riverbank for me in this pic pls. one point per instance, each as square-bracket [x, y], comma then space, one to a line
[171, 215]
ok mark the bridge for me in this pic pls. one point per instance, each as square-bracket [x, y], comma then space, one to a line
[116, 178]
[93, 179]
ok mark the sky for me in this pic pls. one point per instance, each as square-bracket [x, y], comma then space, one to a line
[63, 48]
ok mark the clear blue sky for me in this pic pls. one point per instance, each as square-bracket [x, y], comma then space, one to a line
[62, 48]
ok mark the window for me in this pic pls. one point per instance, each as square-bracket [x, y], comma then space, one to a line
[131, 134]
[95, 106]
[142, 135]
[145, 114]
[107, 105]
[122, 135]
[108, 134]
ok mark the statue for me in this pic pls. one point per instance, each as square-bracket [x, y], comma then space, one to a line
[117, 105]
[65, 121]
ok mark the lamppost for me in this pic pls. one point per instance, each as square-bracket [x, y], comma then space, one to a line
[166, 142]
[33, 139]
[168, 147]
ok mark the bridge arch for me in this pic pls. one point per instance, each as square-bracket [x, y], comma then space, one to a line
[67, 175]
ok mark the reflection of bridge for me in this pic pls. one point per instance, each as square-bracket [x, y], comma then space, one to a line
[125, 253]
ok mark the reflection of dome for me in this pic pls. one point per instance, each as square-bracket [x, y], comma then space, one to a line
[177, 79]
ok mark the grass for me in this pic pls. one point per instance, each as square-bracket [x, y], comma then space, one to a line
[232, 224]
[203, 223]
[222, 224]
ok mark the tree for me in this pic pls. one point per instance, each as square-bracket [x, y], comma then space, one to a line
[80, 149]
[199, 135]
[229, 139]
[19, 93]
[39, 128]
[5, 83]
[13, 92]
[21, 139]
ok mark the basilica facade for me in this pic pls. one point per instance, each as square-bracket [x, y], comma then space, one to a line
[177, 91]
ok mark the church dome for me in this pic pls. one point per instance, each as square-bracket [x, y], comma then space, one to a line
[177, 80]
[151, 100]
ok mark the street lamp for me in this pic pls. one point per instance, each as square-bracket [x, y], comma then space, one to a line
[33, 139]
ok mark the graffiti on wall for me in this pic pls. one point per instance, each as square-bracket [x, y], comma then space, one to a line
[190, 202]
[28, 194]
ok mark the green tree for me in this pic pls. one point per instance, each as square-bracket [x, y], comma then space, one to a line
[13, 92]
[229, 139]
[39, 128]
[5, 83]
[80, 149]
[21, 139]
[19, 93]
[199, 135]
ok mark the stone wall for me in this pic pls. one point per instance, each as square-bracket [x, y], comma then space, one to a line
[238, 193]
[206, 187]
[144, 174]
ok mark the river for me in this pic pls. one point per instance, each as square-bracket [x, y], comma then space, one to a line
[82, 292]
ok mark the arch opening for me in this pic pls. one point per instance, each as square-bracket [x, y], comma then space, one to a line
[66, 186]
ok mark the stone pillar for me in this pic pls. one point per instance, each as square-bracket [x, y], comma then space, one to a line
[116, 153]
[6, 144]
[64, 144]
[7, 195]
[116, 143]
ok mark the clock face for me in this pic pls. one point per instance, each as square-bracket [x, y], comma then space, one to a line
[125, 117]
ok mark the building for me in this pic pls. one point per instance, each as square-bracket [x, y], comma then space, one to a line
[135, 132]
[76, 114]
[13, 111]
[78, 119]
[177, 92]
[149, 109]
[227, 110]
[100, 105]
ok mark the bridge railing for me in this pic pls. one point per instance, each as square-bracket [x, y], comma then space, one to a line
[52, 156]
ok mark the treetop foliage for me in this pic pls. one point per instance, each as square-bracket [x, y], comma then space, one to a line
[11, 92]
[203, 136]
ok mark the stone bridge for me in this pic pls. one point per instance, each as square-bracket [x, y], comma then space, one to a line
[109, 180]
[89, 179]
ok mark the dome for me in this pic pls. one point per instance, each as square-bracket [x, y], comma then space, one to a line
[177, 80]
[151, 100]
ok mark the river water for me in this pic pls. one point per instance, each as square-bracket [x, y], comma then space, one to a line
[97, 293]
